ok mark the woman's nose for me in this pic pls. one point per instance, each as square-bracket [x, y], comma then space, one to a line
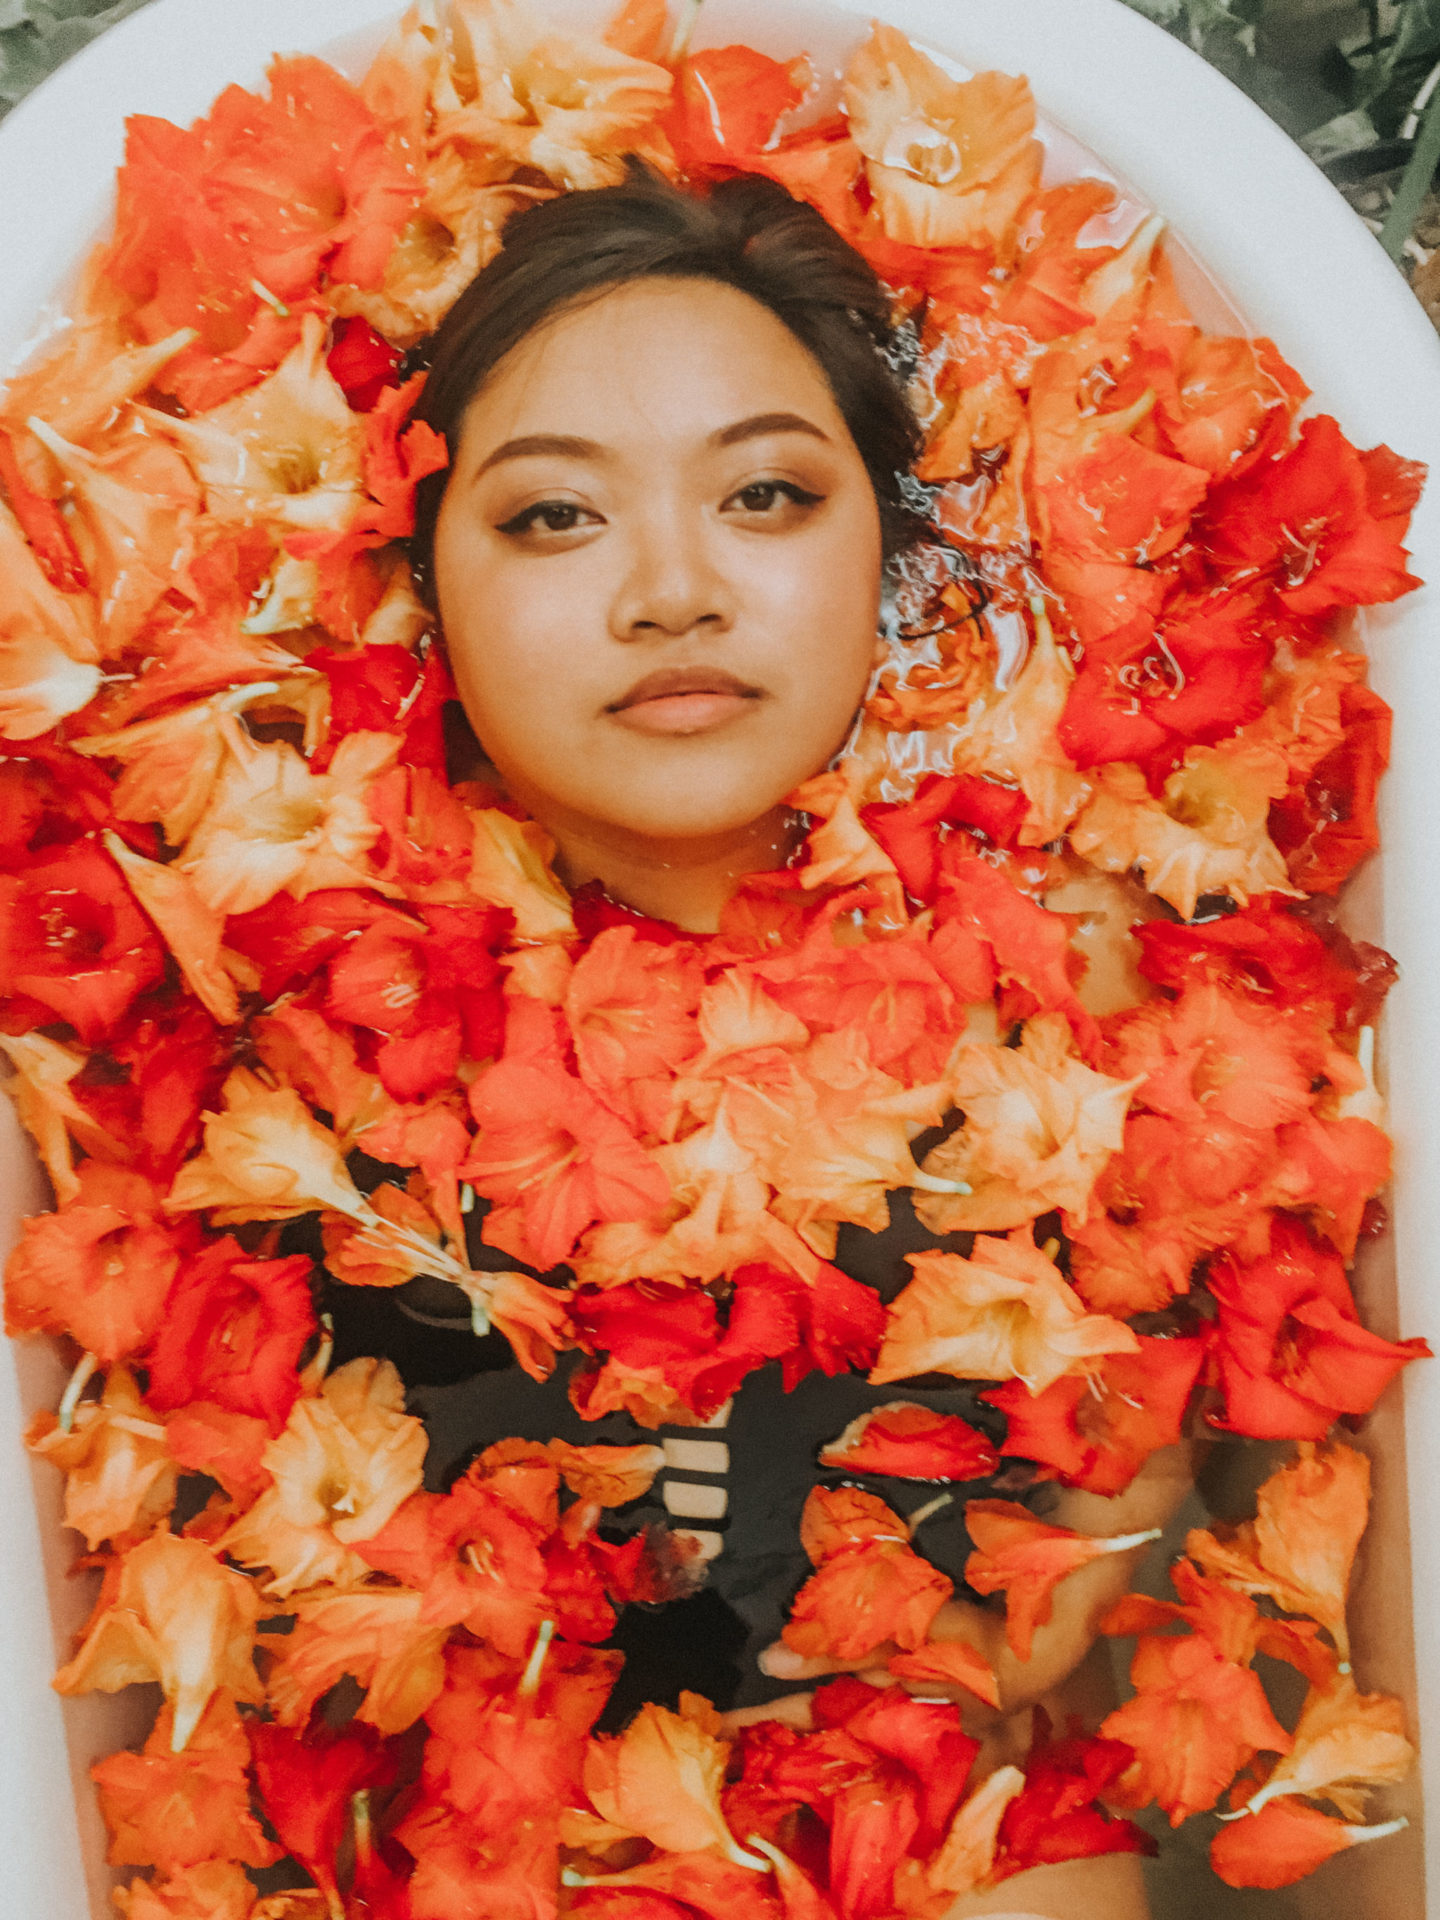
[672, 585]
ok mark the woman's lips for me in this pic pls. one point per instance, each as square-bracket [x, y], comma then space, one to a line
[682, 700]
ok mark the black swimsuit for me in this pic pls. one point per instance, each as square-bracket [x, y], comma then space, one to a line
[758, 1468]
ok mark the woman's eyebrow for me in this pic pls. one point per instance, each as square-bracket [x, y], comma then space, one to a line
[530, 444]
[763, 423]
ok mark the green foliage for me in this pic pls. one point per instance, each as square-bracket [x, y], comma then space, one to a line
[1363, 75]
[36, 35]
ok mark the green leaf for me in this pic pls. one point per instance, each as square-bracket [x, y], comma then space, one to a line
[1347, 133]
[1416, 43]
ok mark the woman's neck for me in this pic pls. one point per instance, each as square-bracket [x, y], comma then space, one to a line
[686, 881]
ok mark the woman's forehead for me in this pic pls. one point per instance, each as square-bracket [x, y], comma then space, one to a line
[680, 358]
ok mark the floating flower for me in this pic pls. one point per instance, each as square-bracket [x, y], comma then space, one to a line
[1024, 1558]
[1006, 1313]
[906, 1441]
[170, 1612]
[949, 161]
[1039, 1126]
[177, 1810]
[346, 1460]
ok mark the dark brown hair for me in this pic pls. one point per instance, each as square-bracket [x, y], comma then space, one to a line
[746, 233]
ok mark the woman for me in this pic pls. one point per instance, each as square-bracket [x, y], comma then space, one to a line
[679, 444]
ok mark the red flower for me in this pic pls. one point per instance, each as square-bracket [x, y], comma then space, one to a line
[397, 459]
[551, 1156]
[1292, 1353]
[666, 1346]
[1274, 953]
[361, 363]
[911, 834]
[269, 190]
[725, 106]
[1097, 1430]
[429, 991]
[1030, 946]
[169, 1061]
[1326, 827]
[912, 1442]
[1322, 522]
[387, 689]
[307, 1783]
[925, 1738]
[73, 944]
[1146, 693]
[1055, 1815]
[291, 940]
[233, 1332]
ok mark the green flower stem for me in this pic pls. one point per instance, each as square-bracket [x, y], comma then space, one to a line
[1414, 183]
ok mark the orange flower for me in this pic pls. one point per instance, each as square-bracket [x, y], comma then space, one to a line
[192, 930]
[173, 1811]
[949, 161]
[840, 852]
[1013, 737]
[566, 106]
[1023, 1558]
[510, 867]
[170, 764]
[1208, 832]
[169, 1612]
[1345, 1741]
[551, 1156]
[301, 1048]
[836, 1139]
[662, 1778]
[1005, 1313]
[41, 629]
[214, 1890]
[630, 1005]
[1039, 1127]
[951, 1663]
[265, 1158]
[287, 451]
[1283, 1842]
[345, 1462]
[133, 524]
[1196, 1719]
[869, 1586]
[49, 1111]
[99, 1269]
[1301, 1545]
[120, 1479]
[40, 682]
[607, 1475]
[377, 1637]
[272, 824]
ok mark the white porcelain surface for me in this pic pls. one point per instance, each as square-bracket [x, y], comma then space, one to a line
[1293, 259]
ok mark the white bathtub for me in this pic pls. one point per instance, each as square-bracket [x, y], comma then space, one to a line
[1301, 268]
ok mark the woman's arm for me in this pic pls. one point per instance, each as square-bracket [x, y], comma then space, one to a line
[1109, 1888]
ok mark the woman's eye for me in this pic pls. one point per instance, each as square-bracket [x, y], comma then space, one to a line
[547, 516]
[771, 497]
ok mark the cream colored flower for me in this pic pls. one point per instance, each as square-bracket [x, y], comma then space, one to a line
[344, 1463]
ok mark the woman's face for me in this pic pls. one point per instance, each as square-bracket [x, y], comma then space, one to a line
[657, 565]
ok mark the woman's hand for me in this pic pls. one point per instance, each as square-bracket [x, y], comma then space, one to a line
[1081, 1601]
